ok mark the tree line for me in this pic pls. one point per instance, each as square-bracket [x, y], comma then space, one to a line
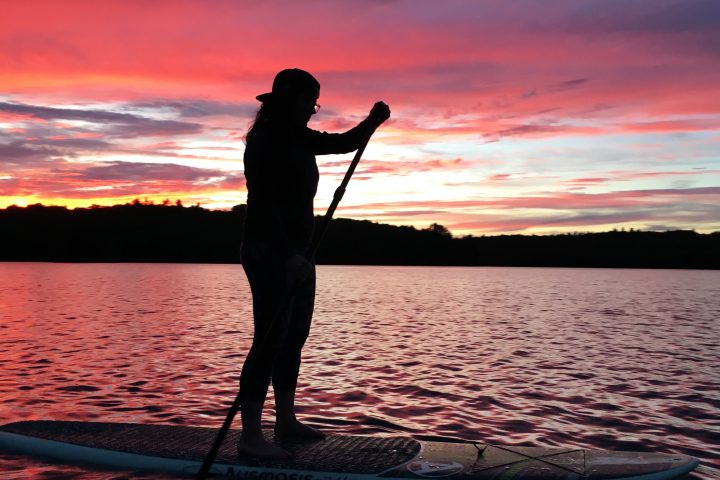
[148, 232]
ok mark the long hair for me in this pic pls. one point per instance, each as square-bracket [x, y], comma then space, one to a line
[262, 116]
[273, 113]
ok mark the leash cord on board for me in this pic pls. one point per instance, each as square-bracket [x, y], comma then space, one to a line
[481, 451]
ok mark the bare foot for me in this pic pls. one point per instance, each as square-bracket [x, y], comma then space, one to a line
[261, 448]
[294, 428]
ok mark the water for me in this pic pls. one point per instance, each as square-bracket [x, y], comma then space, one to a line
[615, 359]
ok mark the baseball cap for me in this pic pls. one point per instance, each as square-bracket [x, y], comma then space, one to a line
[291, 82]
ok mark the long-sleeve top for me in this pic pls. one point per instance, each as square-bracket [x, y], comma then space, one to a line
[281, 174]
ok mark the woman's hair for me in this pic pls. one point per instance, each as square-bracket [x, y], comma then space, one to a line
[263, 115]
[270, 112]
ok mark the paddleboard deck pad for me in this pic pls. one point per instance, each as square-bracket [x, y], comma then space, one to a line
[179, 450]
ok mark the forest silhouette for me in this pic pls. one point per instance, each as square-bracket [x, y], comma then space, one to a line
[142, 231]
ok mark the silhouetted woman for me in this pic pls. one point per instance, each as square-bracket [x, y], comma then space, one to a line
[282, 178]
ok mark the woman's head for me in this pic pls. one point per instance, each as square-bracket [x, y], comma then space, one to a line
[293, 99]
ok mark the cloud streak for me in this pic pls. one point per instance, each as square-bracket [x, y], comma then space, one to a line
[113, 124]
[120, 181]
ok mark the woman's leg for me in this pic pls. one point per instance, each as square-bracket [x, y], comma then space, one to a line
[287, 363]
[267, 286]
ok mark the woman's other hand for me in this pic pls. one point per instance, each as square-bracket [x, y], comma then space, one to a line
[298, 268]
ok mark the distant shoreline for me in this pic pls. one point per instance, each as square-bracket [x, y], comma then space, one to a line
[148, 233]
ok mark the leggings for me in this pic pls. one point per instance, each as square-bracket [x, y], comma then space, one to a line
[274, 356]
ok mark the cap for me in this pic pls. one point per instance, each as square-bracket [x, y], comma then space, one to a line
[291, 81]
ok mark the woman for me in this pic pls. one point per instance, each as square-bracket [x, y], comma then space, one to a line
[282, 178]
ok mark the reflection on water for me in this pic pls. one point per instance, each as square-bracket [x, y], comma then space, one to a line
[617, 359]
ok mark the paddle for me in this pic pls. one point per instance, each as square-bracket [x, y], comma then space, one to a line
[339, 192]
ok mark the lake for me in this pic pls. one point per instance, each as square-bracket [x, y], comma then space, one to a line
[595, 358]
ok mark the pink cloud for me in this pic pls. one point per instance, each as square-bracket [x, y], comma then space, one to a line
[587, 181]
[500, 177]
[687, 125]
[567, 211]
[623, 175]
[560, 200]
[397, 167]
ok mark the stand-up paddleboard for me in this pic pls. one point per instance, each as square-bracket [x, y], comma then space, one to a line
[180, 450]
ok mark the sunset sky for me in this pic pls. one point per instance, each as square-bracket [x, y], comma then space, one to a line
[509, 116]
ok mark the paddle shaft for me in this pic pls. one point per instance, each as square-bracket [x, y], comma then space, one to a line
[339, 193]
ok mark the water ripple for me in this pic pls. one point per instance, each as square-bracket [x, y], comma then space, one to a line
[617, 359]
